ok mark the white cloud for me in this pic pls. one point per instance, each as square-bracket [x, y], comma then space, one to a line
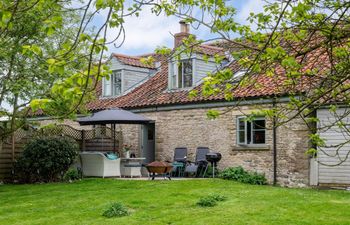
[146, 32]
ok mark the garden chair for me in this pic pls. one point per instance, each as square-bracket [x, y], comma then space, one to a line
[200, 164]
[180, 160]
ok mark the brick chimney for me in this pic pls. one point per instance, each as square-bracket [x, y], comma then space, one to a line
[184, 33]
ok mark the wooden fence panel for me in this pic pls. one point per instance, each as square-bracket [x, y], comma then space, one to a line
[89, 140]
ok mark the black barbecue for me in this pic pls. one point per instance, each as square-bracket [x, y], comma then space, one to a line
[213, 158]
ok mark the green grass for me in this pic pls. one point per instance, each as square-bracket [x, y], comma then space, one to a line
[170, 202]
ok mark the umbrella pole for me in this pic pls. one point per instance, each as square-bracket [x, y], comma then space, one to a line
[114, 138]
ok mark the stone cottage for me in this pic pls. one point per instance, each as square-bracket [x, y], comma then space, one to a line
[160, 92]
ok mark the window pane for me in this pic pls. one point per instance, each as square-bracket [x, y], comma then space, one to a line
[258, 124]
[259, 137]
[241, 137]
[107, 91]
[249, 132]
[173, 81]
[187, 70]
[117, 83]
[241, 125]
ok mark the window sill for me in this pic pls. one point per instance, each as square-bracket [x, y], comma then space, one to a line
[180, 89]
[251, 148]
[111, 96]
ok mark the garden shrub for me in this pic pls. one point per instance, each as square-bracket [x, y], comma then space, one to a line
[241, 175]
[46, 159]
[218, 197]
[71, 175]
[116, 209]
[210, 200]
[207, 202]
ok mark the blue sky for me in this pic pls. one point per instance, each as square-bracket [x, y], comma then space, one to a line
[146, 32]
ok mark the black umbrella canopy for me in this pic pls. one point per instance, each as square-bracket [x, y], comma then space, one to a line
[113, 116]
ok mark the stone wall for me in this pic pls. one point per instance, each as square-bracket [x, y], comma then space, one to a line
[191, 128]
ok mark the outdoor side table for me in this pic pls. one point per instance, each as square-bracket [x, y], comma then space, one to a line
[179, 169]
[131, 167]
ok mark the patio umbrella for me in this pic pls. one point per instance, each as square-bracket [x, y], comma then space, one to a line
[113, 116]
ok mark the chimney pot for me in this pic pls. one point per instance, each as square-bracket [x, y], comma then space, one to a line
[184, 27]
[184, 33]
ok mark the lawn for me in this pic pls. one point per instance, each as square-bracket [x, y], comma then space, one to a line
[170, 202]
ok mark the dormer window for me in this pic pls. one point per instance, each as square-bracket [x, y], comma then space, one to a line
[113, 86]
[181, 74]
[185, 74]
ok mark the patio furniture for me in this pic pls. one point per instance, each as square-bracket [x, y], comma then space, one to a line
[131, 167]
[162, 169]
[200, 164]
[180, 155]
[178, 169]
[180, 160]
[96, 164]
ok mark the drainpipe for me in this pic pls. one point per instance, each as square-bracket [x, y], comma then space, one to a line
[274, 143]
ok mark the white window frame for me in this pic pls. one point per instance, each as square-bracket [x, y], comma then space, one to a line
[111, 84]
[107, 83]
[183, 74]
[174, 74]
[251, 131]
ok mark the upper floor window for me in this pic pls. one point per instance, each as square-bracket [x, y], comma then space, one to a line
[185, 74]
[181, 74]
[113, 86]
[251, 132]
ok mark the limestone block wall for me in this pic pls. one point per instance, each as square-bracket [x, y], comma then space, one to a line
[191, 128]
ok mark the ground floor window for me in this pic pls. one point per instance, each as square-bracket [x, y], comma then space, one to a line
[251, 131]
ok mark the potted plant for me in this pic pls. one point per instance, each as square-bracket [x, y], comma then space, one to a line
[126, 150]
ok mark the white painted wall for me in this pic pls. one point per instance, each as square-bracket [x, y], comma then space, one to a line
[331, 173]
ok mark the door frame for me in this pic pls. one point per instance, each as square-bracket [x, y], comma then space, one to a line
[143, 140]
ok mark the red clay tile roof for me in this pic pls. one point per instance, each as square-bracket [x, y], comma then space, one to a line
[209, 50]
[132, 61]
[154, 92]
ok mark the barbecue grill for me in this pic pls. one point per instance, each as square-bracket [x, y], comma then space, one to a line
[213, 158]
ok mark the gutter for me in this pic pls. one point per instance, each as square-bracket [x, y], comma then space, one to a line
[189, 106]
[208, 105]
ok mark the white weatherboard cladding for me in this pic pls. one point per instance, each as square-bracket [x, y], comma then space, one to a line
[331, 155]
[131, 75]
[203, 68]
